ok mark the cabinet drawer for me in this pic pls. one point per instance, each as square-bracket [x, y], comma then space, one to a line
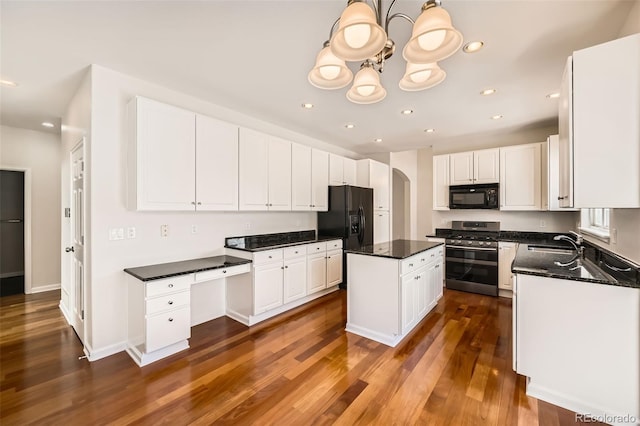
[215, 274]
[334, 244]
[170, 301]
[267, 256]
[316, 248]
[168, 328]
[295, 251]
[410, 264]
[169, 285]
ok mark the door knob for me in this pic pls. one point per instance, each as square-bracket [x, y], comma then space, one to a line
[68, 249]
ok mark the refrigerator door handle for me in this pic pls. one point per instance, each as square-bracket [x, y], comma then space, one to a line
[362, 224]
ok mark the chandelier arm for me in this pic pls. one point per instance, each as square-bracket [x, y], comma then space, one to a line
[333, 27]
[386, 21]
[397, 15]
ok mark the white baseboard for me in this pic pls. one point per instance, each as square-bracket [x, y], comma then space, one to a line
[43, 288]
[96, 354]
[67, 315]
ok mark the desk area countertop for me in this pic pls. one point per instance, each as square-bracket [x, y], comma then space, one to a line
[172, 269]
[396, 249]
[255, 243]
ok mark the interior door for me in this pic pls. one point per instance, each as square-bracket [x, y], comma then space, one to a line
[12, 261]
[76, 250]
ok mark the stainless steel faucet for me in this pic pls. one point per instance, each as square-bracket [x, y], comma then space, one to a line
[577, 246]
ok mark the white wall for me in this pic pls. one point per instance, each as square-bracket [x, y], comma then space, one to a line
[425, 192]
[39, 152]
[407, 163]
[626, 224]
[511, 221]
[110, 93]
[632, 24]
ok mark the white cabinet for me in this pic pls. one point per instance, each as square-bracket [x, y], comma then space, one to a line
[295, 276]
[264, 172]
[381, 227]
[441, 182]
[342, 170]
[475, 167]
[317, 272]
[334, 268]
[179, 160]
[555, 201]
[309, 178]
[267, 286]
[374, 174]
[606, 134]
[565, 139]
[521, 177]
[506, 254]
[409, 293]
[216, 164]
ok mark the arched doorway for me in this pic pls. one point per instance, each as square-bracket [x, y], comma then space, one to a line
[401, 211]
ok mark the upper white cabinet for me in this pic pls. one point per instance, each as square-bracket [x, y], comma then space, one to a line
[521, 169]
[374, 174]
[179, 160]
[441, 182]
[381, 227]
[475, 167]
[309, 178]
[342, 170]
[216, 164]
[606, 133]
[264, 172]
[564, 177]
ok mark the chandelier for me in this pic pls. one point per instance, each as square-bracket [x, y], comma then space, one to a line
[360, 36]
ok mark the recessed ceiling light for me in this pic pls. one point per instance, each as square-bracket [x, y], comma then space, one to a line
[429, 130]
[497, 117]
[553, 95]
[486, 92]
[377, 140]
[307, 106]
[8, 83]
[349, 125]
[406, 111]
[47, 124]
[473, 46]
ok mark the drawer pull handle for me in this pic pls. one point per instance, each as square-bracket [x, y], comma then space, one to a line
[170, 302]
[170, 319]
[170, 286]
[411, 265]
[437, 266]
[224, 271]
[269, 257]
[422, 260]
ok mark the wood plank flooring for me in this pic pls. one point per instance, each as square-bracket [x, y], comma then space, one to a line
[299, 369]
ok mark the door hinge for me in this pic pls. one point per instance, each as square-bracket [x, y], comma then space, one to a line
[67, 212]
[82, 314]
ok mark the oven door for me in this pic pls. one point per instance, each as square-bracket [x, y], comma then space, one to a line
[473, 269]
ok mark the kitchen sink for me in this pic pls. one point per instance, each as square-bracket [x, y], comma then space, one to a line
[551, 250]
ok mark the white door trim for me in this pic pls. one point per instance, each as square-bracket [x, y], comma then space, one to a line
[27, 223]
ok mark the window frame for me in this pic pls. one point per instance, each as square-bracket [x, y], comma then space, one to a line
[596, 222]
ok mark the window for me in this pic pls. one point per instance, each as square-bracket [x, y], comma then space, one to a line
[595, 222]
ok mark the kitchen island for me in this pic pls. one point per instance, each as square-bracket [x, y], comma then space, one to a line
[391, 287]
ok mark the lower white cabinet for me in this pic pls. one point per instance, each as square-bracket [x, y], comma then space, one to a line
[267, 286]
[506, 254]
[334, 267]
[294, 278]
[167, 328]
[317, 272]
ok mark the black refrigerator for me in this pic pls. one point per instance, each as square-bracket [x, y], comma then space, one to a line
[350, 217]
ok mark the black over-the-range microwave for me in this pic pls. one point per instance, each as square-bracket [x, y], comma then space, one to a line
[479, 196]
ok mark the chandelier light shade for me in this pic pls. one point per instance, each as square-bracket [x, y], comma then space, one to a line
[359, 35]
[433, 37]
[366, 87]
[421, 76]
[329, 72]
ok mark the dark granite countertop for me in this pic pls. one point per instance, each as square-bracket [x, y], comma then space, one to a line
[263, 242]
[396, 249]
[527, 237]
[542, 263]
[172, 269]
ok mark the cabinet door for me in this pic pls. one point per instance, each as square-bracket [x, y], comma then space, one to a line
[380, 184]
[279, 174]
[316, 272]
[381, 227]
[565, 137]
[167, 328]
[301, 177]
[216, 164]
[253, 170]
[520, 177]
[424, 292]
[295, 279]
[165, 154]
[408, 298]
[267, 287]
[349, 171]
[441, 182]
[334, 268]
[461, 167]
[319, 180]
[336, 173]
[506, 254]
[486, 166]
[439, 280]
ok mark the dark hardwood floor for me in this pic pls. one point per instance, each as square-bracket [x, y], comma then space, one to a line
[303, 368]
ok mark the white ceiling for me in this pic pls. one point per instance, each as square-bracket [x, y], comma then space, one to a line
[254, 56]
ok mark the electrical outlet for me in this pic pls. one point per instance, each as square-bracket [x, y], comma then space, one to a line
[247, 226]
[194, 229]
[614, 236]
[164, 231]
[131, 232]
[543, 223]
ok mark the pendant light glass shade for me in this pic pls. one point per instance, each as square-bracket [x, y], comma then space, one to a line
[359, 36]
[433, 37]
[366, 87]
[329, 72]
[421, 76]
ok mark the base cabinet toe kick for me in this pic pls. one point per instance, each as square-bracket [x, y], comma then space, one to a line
[387, 298]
